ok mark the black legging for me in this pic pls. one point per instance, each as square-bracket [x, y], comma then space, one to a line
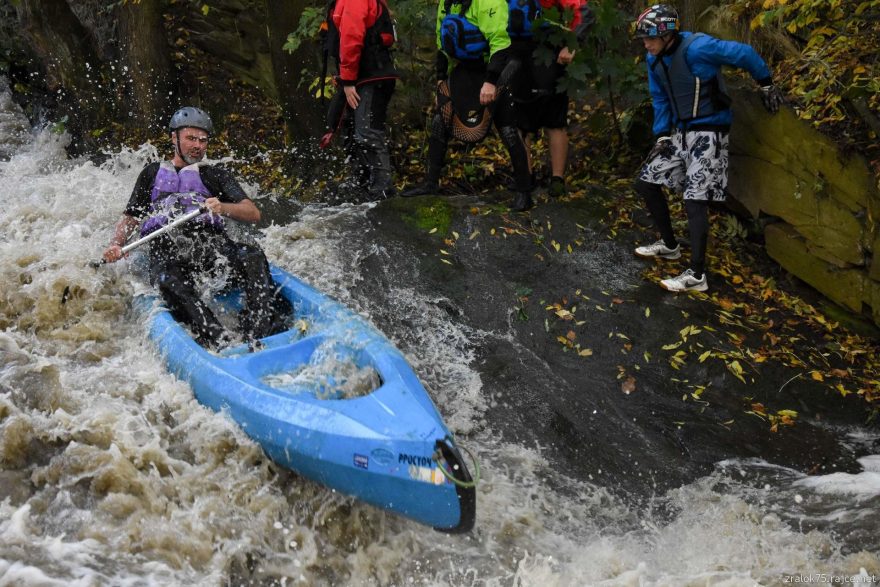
[698, 222]
[652, 193]
[504, 119]
[698, 226]
[174, 264]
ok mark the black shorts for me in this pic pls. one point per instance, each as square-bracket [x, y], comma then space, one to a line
[545, 112]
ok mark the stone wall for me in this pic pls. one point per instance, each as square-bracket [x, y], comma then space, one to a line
[826, 202]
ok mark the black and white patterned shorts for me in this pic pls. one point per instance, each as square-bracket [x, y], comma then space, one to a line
[697, 169]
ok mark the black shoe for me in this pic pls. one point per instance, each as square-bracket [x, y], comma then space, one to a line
[425, 188]
[522, 202]
[557, 188]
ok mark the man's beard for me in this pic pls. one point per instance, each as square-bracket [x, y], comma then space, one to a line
[190, 160]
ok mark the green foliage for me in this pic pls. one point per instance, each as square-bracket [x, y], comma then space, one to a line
[415, 52]
[605, 59]
[307, 29]
[835, 78]
[604, 62]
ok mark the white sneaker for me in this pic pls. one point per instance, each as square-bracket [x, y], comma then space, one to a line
[659, 249]
[685, 282]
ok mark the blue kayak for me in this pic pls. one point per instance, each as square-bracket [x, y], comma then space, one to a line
[367, 429]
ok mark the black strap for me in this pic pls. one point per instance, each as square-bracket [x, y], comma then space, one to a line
[465, 4]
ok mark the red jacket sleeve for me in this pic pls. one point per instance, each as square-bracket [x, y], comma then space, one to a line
[571, 6]
[352, 18]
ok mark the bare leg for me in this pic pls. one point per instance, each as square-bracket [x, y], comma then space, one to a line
[558, 138]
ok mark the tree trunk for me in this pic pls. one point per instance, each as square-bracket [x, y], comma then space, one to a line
[72, 67]
[59, 40]
[145, 53]
[303, 114]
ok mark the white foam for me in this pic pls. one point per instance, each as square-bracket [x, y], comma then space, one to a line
[863, 484]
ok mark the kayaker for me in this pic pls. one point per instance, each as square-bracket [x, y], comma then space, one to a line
[691, 124]
[201, 248]
[472, 35]
[540, 104]
[359, 37]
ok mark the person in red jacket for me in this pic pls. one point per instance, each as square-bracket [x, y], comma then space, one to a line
[360, 37]
[539, 103]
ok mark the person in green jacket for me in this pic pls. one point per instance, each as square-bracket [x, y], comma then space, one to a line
[473, 70]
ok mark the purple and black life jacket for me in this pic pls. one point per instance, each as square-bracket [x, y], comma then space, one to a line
[175, 193]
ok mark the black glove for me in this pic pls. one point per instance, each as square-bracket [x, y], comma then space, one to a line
[662, 148]
[772, 98]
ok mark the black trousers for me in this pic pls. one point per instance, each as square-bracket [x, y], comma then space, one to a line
[177, 262]
[365, 142]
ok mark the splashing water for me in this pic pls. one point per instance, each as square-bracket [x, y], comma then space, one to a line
[111, 473]
[331, 373]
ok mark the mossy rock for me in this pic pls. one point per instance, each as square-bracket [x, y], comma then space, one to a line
[425, 212]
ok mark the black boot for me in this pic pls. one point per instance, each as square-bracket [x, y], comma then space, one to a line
[428, 187]
[375, 154]
[522, 202]
[424, 188]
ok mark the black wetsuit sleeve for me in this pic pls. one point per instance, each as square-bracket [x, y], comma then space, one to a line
[496, 65]
[222, 184]
[139, 202]
[442, 65]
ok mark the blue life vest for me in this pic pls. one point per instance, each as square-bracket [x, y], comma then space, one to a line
[178, 192]
[459, 37]
[689, 96]
[522, 15]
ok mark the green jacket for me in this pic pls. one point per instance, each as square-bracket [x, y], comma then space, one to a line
[490, 16]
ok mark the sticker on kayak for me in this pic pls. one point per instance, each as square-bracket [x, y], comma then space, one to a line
[382, 456]
[361, 461]
[427, 475]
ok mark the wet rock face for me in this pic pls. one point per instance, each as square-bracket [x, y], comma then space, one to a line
[825, 202]
[570, 346]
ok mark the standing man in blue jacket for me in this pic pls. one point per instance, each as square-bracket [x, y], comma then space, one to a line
[691, 124]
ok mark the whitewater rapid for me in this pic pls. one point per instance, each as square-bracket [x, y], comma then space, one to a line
[112, 474]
